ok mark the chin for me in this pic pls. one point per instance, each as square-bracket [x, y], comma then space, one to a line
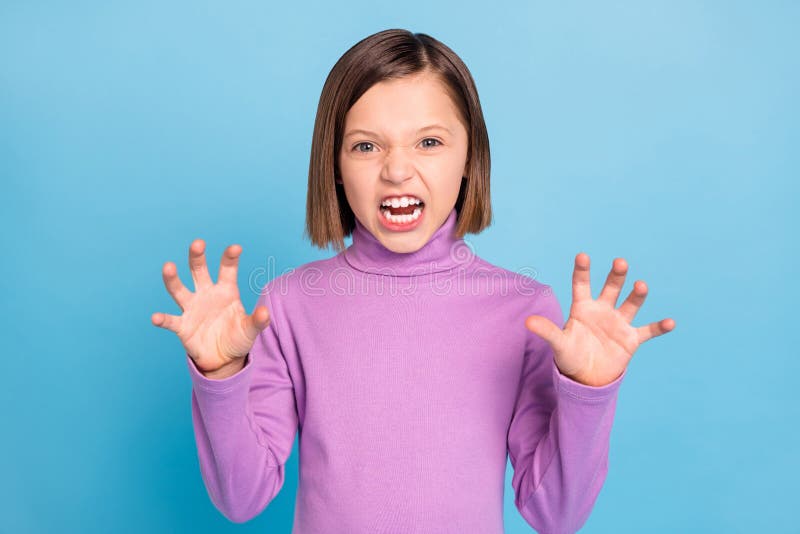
[402, 248]
[403, 244]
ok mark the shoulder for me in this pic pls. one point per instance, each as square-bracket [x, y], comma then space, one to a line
[306, 279]
[523, 283]
[523, 290]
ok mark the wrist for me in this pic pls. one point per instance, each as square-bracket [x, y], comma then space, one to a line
[227, 370]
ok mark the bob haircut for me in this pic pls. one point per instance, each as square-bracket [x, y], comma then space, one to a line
[387, 55]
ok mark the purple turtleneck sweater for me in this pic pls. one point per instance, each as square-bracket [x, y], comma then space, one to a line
[410, 377]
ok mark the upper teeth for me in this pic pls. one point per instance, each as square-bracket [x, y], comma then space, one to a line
[400, 201]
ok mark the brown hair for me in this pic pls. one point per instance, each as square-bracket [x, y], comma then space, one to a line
[387, 55]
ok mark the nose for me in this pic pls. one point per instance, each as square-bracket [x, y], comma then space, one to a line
[398, 166]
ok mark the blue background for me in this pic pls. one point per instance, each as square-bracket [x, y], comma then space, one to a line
[662, 132]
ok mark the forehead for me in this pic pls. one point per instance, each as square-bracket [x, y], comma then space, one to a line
[403, 103]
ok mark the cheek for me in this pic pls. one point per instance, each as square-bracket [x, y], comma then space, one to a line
[358, 169]
[450, 170]
[357, 192]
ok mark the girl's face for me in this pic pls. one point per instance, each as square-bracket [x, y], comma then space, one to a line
[403, 137]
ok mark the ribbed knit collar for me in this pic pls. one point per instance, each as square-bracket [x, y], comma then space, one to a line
[443, 252]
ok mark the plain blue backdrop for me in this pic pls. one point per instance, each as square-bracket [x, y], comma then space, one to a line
[662, 132]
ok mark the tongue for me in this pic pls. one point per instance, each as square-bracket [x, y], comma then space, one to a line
[408, 210]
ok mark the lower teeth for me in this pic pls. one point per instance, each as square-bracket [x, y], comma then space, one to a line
[402, 219]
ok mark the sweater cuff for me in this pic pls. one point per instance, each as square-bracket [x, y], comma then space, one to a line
[224, 385]
[575, 389]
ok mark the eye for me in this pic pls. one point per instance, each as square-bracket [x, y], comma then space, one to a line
[365, 143]
[431, 139]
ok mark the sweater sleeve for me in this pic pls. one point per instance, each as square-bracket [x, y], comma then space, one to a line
[245, 426]
[559, 436]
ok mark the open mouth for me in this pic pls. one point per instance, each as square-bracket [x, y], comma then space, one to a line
[401, 211]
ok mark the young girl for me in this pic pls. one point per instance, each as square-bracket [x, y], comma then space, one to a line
[411, 368]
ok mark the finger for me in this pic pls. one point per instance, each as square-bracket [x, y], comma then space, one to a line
[581, 284]
[256, 322]
[198, 266]
[175, 287]
[544, 328]
[635, 299]
[229, 265]
[655, 329]
[166, 321]
[614, 282]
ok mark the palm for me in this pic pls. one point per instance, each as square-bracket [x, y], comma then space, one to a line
[598, 341]
[214, 327]
[211, 327]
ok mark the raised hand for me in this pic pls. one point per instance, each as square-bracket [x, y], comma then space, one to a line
[215, 330]
[598, 341]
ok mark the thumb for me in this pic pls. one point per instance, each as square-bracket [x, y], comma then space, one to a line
[544, 328]
[256, 322]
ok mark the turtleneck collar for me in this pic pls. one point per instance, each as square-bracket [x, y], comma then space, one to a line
[442, 252]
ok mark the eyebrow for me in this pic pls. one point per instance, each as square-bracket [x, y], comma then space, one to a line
[423, 129]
